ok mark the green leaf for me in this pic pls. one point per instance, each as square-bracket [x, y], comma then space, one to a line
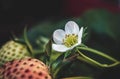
[58, 64]
[63, 59]
[67, 54]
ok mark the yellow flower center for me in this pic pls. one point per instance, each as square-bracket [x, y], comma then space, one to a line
[70, 40]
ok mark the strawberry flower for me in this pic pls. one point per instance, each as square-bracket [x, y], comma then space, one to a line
[68, 39]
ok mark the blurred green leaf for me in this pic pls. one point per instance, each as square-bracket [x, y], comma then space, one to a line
[102, 22]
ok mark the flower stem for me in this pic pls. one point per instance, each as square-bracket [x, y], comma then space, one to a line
[98, 53]
[92, 61]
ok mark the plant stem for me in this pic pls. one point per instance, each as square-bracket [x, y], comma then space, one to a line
[92, 61]
[98, 53]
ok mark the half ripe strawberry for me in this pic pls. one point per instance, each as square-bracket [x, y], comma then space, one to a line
[26, 68]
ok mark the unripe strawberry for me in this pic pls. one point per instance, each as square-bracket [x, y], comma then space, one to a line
[26, 68]
[12, 50]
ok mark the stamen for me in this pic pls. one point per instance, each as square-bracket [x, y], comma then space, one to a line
[70, 40]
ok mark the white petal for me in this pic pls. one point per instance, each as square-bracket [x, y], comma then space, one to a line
[59, 48]
[71, 28]
[79, 42]
[80, 33]
[58, 36]
[80, 36]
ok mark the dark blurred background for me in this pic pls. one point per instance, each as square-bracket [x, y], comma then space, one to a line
[101, 16]
[15, 14]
